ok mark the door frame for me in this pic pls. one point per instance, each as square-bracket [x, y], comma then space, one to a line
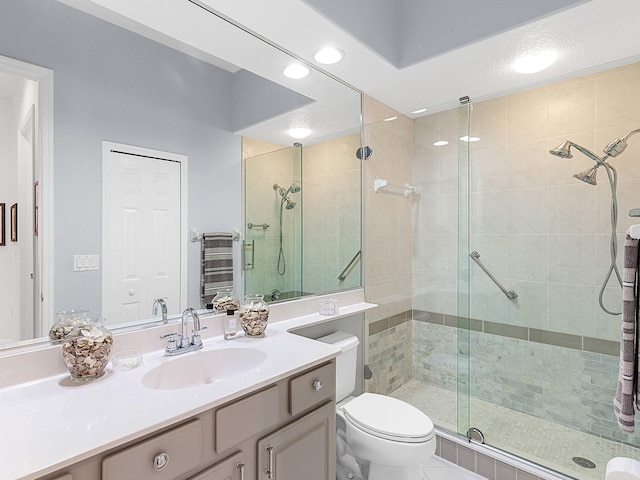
[183, 160]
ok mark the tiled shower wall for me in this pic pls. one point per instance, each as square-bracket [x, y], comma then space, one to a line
[388, 238]
[266, 164]
[332, 214]
[540, 231]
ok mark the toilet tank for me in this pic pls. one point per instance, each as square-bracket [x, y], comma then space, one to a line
[345, 362]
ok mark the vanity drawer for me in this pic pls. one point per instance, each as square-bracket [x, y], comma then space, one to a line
[163, 457]
[245, 418]
[311, 388]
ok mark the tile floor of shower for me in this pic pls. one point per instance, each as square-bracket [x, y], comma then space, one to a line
[526, 436]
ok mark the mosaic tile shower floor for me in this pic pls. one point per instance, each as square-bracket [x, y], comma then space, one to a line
[537, 440]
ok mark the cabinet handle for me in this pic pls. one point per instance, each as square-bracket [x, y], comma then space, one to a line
[160, 461]
[317, 384]
[240, 467]
[269, 471]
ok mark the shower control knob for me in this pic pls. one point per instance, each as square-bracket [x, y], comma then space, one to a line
[317, 384]
[160, 461]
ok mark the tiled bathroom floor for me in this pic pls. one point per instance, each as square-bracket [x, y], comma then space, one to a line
[532, 438]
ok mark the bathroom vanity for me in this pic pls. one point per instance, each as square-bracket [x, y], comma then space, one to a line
[258, 409]
[284, 430]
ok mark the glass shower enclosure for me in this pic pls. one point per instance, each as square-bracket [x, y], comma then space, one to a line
[510, 347]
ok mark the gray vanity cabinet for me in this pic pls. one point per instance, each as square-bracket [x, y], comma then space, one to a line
[303, 449]
[283, 431]
[233, 468]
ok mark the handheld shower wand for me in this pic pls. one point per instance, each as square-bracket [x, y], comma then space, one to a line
[613, 149]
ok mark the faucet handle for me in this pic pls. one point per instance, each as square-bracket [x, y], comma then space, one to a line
[195, 339]
[172, 343]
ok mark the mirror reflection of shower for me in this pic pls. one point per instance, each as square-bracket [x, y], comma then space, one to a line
[613, 149]
[288, 204]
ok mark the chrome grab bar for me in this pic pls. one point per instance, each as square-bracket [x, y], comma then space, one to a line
[511, 295]
[343, 274]
[263, 226]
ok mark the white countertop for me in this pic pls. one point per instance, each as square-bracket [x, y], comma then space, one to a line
[51, 423]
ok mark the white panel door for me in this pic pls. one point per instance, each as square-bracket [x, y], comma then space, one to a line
[141, 253]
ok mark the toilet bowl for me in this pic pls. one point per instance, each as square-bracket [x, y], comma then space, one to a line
[620, 468]
[378, 437]
[388, 437]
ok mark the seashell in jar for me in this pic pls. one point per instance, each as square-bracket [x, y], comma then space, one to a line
[86, 351]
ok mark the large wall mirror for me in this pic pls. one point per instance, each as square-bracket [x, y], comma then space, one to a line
[93, 87]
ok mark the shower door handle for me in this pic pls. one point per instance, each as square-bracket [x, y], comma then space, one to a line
[252, 246]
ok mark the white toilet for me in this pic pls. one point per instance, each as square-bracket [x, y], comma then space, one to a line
[378, 437]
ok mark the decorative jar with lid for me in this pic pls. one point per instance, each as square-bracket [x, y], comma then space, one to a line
[254, 314]
[225, 300]
[86, 350]
[67, 321]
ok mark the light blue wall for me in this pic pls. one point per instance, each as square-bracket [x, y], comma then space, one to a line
[113, 85]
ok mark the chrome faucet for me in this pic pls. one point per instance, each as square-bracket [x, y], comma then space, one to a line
[181, 343]
[159, 302]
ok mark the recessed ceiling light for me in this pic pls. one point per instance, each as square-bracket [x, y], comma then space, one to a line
[440, 143]
[390, 119]
[535, 62]
[296, 71]
[328, 55]
[467, 138]
[299, 132]
[422, 110]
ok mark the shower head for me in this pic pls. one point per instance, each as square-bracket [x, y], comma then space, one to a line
[562, 150]
[289, 204]
[588, 176]
[293, 188]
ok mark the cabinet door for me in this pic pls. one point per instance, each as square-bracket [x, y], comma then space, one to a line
[233, 468]
[303, 449]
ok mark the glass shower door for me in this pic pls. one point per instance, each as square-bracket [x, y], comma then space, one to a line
[463, 314]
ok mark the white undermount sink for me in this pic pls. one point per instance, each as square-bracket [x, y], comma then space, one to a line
[202, 368]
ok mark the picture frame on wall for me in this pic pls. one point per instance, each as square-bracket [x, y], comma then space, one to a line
[14, 222]
[2, 237]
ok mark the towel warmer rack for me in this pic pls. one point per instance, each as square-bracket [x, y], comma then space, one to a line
[511, 295]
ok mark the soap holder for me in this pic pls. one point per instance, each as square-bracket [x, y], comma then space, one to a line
[126, 360]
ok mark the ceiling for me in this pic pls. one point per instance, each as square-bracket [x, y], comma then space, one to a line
[472, 45]
[589, 36]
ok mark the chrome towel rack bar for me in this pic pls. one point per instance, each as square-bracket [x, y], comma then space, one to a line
[511, 295]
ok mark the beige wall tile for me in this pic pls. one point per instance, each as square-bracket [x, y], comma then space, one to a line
[618, 96]
[527, 115]
[572, 106]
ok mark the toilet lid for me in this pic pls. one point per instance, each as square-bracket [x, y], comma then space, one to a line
[389, 418]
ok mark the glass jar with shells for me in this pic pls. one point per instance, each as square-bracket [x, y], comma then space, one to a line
[86, 350]
[67, 321]
[225, 300]
[254, 314]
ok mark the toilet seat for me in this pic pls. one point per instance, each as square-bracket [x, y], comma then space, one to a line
[388, 418]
